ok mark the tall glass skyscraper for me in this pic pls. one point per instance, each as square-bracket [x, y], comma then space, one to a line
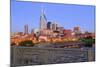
[49, 25]
[43, 20]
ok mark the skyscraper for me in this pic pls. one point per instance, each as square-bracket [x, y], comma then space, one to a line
[26, 29]
[49, 25]
[54, 26]
[43, 20]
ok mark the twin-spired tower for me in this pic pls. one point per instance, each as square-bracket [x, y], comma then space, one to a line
[43, 20]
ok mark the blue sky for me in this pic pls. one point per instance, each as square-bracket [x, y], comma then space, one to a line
[66, 15]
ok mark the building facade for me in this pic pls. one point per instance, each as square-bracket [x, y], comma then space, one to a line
[26, 29]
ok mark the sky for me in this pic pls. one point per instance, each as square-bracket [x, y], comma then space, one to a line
[65, 15]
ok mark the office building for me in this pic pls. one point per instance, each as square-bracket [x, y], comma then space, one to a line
[54, 26]
[43, 20]
[77, 30]
[26, 29]
[49, 24]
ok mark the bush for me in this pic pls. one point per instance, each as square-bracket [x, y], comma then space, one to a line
[13, 44]
[26, 43]
[88, 42]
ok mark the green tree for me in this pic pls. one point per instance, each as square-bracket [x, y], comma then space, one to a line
[26, 43]
[88, 41]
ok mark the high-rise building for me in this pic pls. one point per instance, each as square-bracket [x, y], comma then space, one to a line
[32, 31]
[49, 25]
[26, 29]
[77, 30]
[54, 26]
[43, 20]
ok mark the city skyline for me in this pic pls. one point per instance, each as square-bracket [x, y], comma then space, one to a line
[83, 15]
